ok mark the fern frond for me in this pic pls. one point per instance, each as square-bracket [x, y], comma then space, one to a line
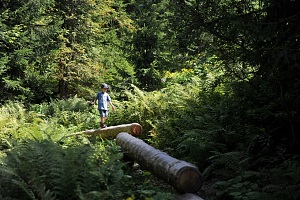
[24, 188]
[225, 165]
[272, 188]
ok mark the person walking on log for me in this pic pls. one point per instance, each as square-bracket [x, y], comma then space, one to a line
[103, 99]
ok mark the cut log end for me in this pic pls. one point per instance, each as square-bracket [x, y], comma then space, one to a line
[136, 129]
[189, 180]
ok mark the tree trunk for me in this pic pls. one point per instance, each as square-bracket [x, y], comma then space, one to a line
[185, 177]
[188, 196]
[112, 131]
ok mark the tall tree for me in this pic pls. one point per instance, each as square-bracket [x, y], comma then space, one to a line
[24, 26]
[60, 48]
[257, 42]
[89, 46]
[152, 43]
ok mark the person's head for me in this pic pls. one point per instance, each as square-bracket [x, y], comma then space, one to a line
[104, 87]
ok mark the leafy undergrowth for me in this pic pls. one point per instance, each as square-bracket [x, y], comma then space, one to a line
[218, 133]
[36, 164]
[83, 170]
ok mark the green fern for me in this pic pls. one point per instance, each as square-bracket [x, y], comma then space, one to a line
[42, 169]
[279, 182]
[224, 165]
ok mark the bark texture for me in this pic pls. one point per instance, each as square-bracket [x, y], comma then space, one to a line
[184, 176]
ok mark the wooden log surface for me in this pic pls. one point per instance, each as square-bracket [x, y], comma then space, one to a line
[111, 131]
[183, 176]
[188, 196]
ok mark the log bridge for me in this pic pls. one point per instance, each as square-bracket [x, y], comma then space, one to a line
[111, 131]
[184, 176]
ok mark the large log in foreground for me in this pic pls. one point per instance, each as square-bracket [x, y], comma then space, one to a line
[184, 176]
[189, 196]
[112, 131]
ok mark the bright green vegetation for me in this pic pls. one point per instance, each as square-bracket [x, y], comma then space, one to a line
[212, 82]
[36, 164]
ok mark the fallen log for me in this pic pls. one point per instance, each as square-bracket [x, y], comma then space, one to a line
[184, 176]
[111, 131]
[189, 196]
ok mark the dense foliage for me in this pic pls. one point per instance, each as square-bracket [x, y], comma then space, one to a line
[213, 82]
[37, 163]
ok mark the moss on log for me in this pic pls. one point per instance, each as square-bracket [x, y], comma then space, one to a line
[184, 176]
[112, 131]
